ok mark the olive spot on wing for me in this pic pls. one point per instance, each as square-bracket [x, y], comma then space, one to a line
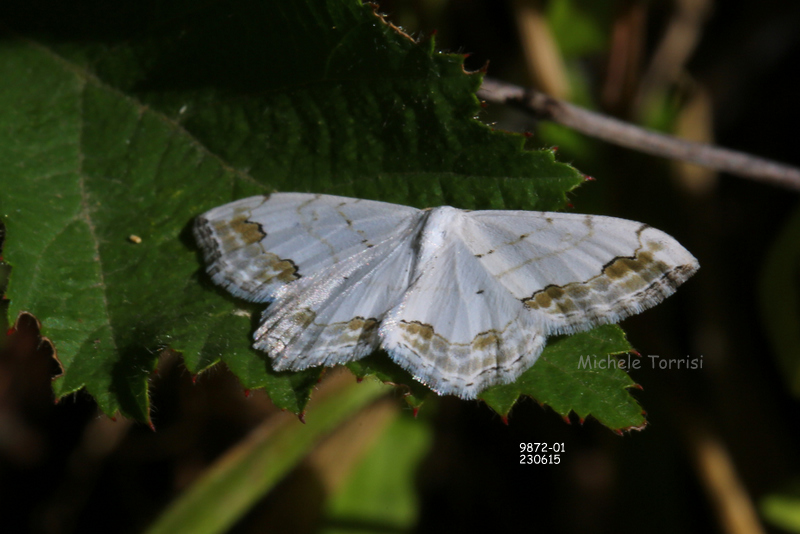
[287, 270]
[421, 338]
[545, 297]
[242, 237]
[554, 292]
[580, 291]
[485, 340]
[566, 305]
[621, 267]
[239, 227]
[425, 331]
[359, 323]
[537, 301]
[304, 317]
[479, 292]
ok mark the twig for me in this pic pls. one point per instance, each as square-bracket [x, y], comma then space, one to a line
[624, 134]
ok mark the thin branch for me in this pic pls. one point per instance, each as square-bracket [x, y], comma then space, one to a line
[624, 134]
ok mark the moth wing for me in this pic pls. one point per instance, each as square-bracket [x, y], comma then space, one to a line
[257, 245]
[577, 271]
[458, 330]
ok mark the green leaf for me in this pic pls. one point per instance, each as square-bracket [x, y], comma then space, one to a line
[577, 374]
[249, 470]
[381, 490]
[384, 369]
[84, 168]
[5, 271]
[113, 131]
[782, 508]
[580, 27]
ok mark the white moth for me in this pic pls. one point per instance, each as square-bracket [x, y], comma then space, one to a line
[463, 300]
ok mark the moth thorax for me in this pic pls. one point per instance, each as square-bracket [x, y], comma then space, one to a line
[440, 221]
